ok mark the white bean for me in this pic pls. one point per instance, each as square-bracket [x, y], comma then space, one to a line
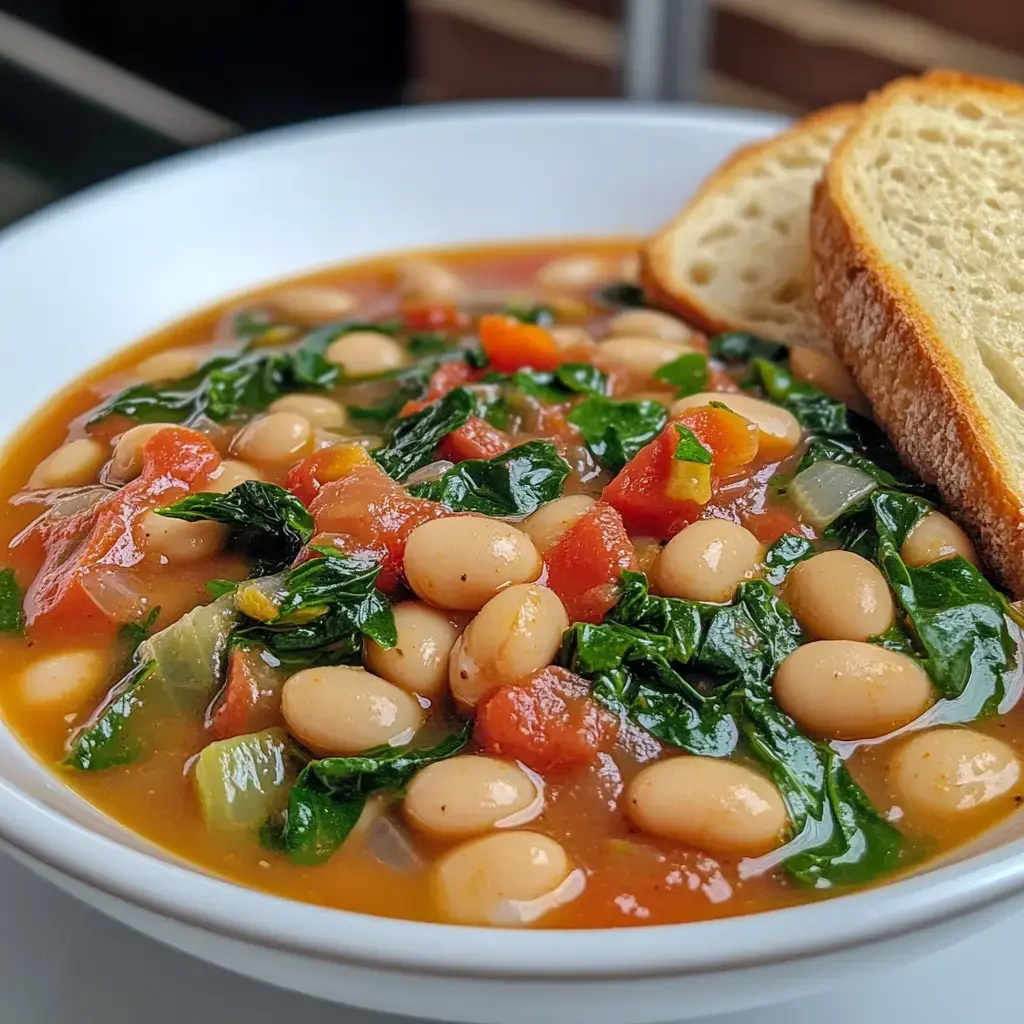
[229, 474]
[461, 562]
[514, 635]
[934, 538]
[507, 878]
[275, 438]
[425, 281]
[337, 710]
[312, 303]
[74, 464]
[320, 411]
[642, 355]
[708, 803]
[949, 772]
[549, 523]
[418, 663]
[573, 272]
[707, 561]
[468, 795]
[827, 374]
[839, 595]
[126, 462]
[179, 541]
[366, 353]
[847, 690]
[649, 323]
[173, 364]
[66, 680]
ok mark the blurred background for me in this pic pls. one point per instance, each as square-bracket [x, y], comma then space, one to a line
[89, 88]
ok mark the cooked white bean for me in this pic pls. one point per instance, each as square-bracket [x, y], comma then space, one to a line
[935, 538]
[827, 374]
[419, 661]
[707, 561]
[173, 364]
[66, 679]
[649, 323]
[126, 462]
[427, 281]
[570, 335]
[947, 772]
[848, 690]
[508, 878]
[708, 803]
[366, 353]
[838, 595]
[462, 562]
[467, 795]
[179, 541]
[546, 526]
[275, 438]
[320, 411]
[642, 355]
[573, 272]
[780, 429]
[74, 464]
[230, 473]
[338, 710]
[313, 303]
[516, 633]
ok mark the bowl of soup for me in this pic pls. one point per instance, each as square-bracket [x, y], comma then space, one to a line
[396, 607]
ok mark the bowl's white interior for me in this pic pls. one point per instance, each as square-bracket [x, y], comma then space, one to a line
[88, 276]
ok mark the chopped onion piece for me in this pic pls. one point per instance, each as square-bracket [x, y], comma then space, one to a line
[427, 474]
[824, 491]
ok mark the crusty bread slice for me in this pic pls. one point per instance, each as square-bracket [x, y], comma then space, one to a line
[736, 257]
[918, 243]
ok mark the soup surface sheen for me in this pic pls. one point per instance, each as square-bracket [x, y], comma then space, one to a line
[519, 604]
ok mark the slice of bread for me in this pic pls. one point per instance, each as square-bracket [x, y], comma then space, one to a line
[918, 243]
[737, 256]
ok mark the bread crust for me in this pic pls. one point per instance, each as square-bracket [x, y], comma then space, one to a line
[656, 255]
[917, 389]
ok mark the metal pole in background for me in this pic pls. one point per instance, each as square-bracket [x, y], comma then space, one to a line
[665, 50]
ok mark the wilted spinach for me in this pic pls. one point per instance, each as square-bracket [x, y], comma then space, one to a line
[616, 430]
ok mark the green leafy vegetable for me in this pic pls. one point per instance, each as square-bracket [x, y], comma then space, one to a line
[784, 554]
[689, 449]
[268, 523]
[742, 347]
[329, 795]
[132, 634]
[12, 617]
[556, 386]
[544, 316]
[622, 293]
[616, 430]
[104, 742]
[414, 438]
[816, 412]
[513, 484]
[428, 343]
[688, 374]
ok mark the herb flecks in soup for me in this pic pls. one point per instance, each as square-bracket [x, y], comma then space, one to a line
[471, 590]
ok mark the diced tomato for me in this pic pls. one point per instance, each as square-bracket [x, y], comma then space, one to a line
[768, 526]
[445, 378]
[548, 722]
[86, 543]
[433, 317]
[250, 699]
[585, 565]
[643, 491]
[512, 345]
[475, 439]
[373, 515]
[308, 475]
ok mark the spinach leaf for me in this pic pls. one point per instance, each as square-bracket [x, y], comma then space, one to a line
[616, 430]
[559, 385]
[544, 316]
[742, 347]
[784, 554]
[688, 374]
[414, 438]
[326, 602]
[813, 408]
[12, 616]
[427, 343]
[131, 634]
[268, 523]
[689, 449]
[672, 618]
[515, 483]
[622, 293]
[105, 740]
[330, 793]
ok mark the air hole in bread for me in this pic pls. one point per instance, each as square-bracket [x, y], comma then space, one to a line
[1015, 285]
[717, 234]
[969, 111]
[962, 141]
[782, 225]
[799, 161]
[882, 159]
[787, 292]
[752, 211]
[750, 275]
[936, 242]
[894, 132]
[766, 314]
[981, 291]
[898, 174]
[931, 135]
[992, 203]
[702, 272]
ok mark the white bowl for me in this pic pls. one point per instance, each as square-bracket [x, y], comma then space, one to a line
[89, 275]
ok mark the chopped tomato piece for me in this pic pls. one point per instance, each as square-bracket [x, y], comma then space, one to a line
[433, 317]
[548, 722]
[649, 491]
[250, 699]
[512, 345]
[585, 565]
[308, 475]
[85, 544]
[768, 526]
[475, 439]
[370, 514]
[445, 378]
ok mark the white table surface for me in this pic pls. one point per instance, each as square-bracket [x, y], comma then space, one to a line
[62, 963]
